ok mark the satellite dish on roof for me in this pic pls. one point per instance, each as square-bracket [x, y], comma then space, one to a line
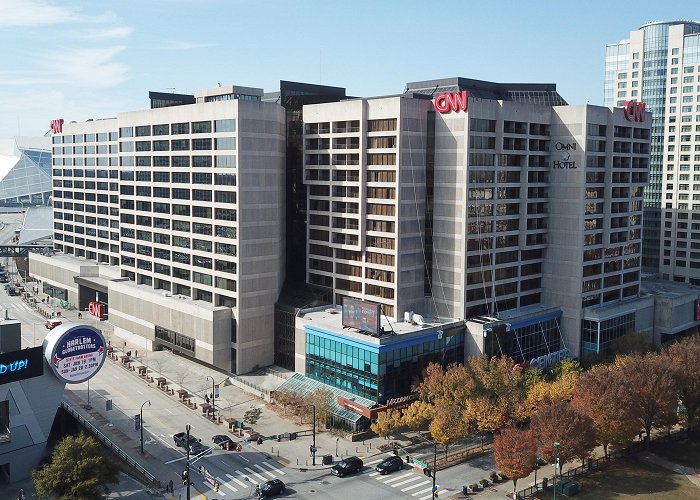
[417, 319]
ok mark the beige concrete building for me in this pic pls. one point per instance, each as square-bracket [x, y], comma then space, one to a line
[171, 219]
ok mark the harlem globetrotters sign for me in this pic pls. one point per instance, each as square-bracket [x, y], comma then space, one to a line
[75, 352]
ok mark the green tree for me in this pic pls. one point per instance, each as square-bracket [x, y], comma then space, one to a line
[417, 414]
[78, 471]
[566, 367]
[531, 376]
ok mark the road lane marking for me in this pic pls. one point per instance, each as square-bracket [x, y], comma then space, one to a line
[399, 478]
[264, 471]
[263, 478]
[224, 483]
[410, 480]
[241, 483]
[423, 491]
[414, 486]
[176, 460]
[273, 468]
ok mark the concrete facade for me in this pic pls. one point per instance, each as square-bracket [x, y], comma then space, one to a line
[187, 202]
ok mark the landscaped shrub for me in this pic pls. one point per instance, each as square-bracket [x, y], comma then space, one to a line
[494, 477]
[485, 483]
[474, 487]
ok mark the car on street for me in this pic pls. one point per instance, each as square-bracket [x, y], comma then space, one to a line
[391, 464]
[347, 466]
[223, 442]
[197, 448]
[270, 488]
[53, 323]
[181, 439]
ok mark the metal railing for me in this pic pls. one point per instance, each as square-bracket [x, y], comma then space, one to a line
[590, 465]
[138, 468]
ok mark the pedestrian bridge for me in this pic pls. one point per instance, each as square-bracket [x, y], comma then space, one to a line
[23, 250]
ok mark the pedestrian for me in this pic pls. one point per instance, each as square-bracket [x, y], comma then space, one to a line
[136, 353]
[311, 450]
[206, 399]
[20, 495]
[80, 315]
[172, 488]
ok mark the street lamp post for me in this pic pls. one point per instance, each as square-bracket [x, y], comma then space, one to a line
[213, 397]
[434, 467]
[313, 433]
[187, 470]
[149, 404]
[556, 466]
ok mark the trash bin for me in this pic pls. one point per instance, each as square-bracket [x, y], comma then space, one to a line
[327, 459]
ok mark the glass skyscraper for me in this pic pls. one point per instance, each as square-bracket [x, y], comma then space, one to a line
[652, 66]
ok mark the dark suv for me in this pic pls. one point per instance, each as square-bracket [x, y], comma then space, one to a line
[388, 465]
[270, 488]
[347, 466]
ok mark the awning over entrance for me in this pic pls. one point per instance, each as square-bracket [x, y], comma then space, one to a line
[300, 384]
[99, 284]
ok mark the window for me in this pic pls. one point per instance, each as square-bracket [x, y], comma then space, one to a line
[225, 143]
[201, 127]
[180, 128]
[225, 125]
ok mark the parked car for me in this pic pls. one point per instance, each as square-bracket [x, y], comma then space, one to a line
[181, 439]
[53, 323]
[391, 464]
[221, 441]
[270, 488]
[346, 466]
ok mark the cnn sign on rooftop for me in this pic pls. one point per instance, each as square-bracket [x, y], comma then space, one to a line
[452, 101]
[634, 111]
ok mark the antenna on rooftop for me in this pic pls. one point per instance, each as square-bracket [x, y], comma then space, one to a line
[171, 89]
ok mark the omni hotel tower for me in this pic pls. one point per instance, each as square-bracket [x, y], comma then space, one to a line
[496, 206]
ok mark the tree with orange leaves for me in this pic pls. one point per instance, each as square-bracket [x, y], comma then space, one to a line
[603, 395]
[651, 387]
[557, 421]
[683, 360]
[515, 452]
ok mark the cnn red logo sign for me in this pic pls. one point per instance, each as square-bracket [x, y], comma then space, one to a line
[57, 126]
[452, 101]
[95, 308]
[634, 111]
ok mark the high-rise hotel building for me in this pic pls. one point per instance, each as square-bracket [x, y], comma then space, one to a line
[458, 200]
[659, 64]
[475, 200]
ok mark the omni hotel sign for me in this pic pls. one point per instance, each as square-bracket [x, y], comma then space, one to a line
[635, 111]
[447, 102]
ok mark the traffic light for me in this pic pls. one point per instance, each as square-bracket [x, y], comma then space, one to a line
[292, 436]
[260, 441]
[216, 485]
[427, 472]
[238, 447]
[184, 478]
[279, 437]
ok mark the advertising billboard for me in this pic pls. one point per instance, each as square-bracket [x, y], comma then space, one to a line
[21, 365]
[365, 316]
[75, 352]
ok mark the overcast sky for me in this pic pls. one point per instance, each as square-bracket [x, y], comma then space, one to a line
[76, 59]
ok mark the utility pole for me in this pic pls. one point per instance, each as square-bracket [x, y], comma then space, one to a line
[188, 461]
[213, 397]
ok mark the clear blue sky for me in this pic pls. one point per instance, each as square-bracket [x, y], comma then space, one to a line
[78, 59]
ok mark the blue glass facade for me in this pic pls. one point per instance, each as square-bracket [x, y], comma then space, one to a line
[378, 372]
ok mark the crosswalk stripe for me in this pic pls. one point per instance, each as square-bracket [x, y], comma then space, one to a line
[374, 461]
[372, 474]
[264, 471]
[262, 478]
[398, 478]
[413, 487]
[409, 480]
[240, 483]
[274, 469]
[423, 491]
[224, 483]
